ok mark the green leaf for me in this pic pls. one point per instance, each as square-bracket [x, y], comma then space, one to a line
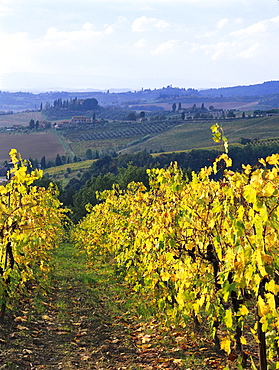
[228, 319]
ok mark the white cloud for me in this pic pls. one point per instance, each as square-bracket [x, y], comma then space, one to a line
[121, 22]
[87, 26]
[88, 40]
[70, 38]
[144, 23]
[238, 21]
[258, 28]
[141, 43]
[17, 53]
[253, 30]
[222, 23]
[248, 53]
[166, 47]
[253, 41]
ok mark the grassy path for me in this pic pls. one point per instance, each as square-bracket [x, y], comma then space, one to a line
[85, 322]
[66, 146]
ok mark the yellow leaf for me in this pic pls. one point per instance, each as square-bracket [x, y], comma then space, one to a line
[268, 190]
[271, 301]
[20, 327]
[165, 275]
[243, 310]
[228, 319]
[273, 159]
[211, 223]
[272, 287]
[262, 161]
[243, 340]
[271, 175]
[262, 307]
[226, 159]
[250, 194]
[226, 344]
[247, 169]
[180, 298]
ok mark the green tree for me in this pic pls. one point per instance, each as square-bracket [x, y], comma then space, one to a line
[131, 116]
[89, 104]
[174, 107]
[50, 164]
[89, 154]
[230, 114]
[31, 124]
[43, 163]
[132, 173]
[58, 160]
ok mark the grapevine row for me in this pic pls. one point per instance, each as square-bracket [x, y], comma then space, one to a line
[140, 129]
[30, 229]
[201, 248]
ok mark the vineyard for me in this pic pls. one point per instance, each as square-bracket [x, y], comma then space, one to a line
[131, 130]
[201, 251]
[30, 229]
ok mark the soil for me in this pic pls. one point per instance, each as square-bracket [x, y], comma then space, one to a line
[79, 324]
[73, 331]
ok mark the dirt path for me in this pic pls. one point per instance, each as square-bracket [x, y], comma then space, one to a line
[73, 332]
[73, 328]
[83, 323]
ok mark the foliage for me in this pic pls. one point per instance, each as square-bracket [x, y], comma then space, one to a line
[188, 161]
[30, 229]
[199, 248]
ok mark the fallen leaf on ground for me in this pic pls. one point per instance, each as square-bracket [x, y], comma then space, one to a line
[20, 327]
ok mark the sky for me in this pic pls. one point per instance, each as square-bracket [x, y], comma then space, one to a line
[48, 45]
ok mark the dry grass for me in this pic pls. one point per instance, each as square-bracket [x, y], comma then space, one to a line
[19, 119]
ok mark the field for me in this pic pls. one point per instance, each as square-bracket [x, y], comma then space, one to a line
[19, 118]
[58, 173]
[80, 147]
[193, 135]
[30, 145]
[169, 135]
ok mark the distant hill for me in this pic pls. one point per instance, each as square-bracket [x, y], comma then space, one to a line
[266, 88]
[265, 92]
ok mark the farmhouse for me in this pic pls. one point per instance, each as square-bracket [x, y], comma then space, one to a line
[80, 120]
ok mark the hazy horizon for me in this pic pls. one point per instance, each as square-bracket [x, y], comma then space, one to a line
[118, 90]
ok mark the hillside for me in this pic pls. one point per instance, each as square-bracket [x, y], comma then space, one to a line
[108, 137]
[166, 136]
[267, 88]
[20, 101]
